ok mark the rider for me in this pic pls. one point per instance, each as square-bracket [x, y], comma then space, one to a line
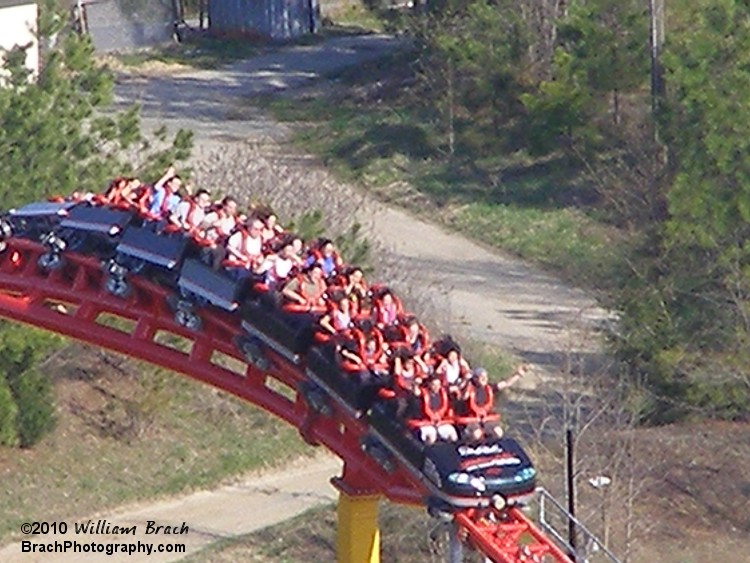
[435, 421]
[279, 266]
[339, 318]
[480, 419]
[325, 254]
[355, 288]
[386, 311]
[307, 290]
[191, 211]
[453, 370]
[219, 223]
[245, 246]
[165, 196]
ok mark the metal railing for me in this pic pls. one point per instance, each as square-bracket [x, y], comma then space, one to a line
[590, 550]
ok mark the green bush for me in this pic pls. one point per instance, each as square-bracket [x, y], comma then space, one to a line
[8, 414]
[32, 391]
[29, 391]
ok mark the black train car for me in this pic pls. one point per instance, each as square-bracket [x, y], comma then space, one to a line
[496, 471]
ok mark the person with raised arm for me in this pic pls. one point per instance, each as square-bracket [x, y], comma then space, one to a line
[479, 417]
[278, 266]
[165, 195]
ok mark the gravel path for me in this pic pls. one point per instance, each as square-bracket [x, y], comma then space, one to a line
[494, 298]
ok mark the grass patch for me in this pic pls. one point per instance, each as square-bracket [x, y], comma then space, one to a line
[565, 240]
[498, 363]
[355, 17]
[129, 432]
[202, 52]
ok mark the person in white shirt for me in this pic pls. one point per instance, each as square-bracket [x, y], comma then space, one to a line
[277, 267]
[219, 223]
[191, 212]
[217, 226]
[244, 249]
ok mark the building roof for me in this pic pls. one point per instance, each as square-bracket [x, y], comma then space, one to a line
[11, 3]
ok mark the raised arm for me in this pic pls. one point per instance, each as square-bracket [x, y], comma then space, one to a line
[170, 173]
[520, 372]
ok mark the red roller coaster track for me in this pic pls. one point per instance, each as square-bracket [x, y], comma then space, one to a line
[70, 301]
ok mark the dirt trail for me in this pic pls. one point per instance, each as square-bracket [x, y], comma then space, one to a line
[494, 298]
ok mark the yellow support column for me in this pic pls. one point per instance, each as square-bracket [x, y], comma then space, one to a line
[358, 535]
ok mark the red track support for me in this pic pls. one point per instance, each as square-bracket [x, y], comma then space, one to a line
[70, 301]
[509, 537]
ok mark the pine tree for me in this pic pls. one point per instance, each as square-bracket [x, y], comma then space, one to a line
[58, 132]
[686, 309]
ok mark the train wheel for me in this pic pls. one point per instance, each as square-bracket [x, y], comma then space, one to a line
[119, 287]
[50, 261]
[188, 319]
[252, 352]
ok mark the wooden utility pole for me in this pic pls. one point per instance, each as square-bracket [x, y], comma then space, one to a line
[571, 491]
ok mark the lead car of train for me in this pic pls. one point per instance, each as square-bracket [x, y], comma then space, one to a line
[494, 472]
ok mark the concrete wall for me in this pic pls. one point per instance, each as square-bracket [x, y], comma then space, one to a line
[18, 25]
